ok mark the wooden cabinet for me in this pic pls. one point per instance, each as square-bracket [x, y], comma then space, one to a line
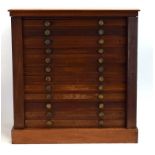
[74, 76]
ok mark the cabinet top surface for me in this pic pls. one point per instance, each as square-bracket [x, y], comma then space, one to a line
[82, 13]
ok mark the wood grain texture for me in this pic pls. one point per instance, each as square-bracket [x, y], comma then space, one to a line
[87, 135]
[132, 73]
[74, 41]
[73, 13]
[78, 51]
[118, 123]
[73, 22]
[80, 113]
[75, 31]
[18, 80]
[76, 96]
[92, 88]
[111, 57]
[76, 67]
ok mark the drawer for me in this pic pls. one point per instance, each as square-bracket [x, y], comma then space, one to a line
[74, 41]
[113, 51]
[58, 97]
[74, 70]
[40, 57]
[42, 88]
[74, 123]
[70, 22]
[80, 113]
[109, 78]
[75, 31]
[41, 106]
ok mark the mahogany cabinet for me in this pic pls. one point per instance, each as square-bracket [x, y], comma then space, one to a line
[74, 76]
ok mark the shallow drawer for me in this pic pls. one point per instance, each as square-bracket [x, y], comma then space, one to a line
[75, 31]
[74, 70]
[111, 57]
[111, 87]
[108, 51]
[74, 42]
[108, 97]
[73, 22]
[78, 113]
[74, 123]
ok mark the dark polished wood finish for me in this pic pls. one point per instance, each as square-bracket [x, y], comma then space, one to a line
[74, 73]
[18, 80]
[74, 13]
[132, 73]
[87, 135]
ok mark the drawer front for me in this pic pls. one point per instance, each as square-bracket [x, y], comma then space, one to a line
[75, 72]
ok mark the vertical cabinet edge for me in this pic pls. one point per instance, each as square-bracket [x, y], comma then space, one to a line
[131, 73]
[18, 80]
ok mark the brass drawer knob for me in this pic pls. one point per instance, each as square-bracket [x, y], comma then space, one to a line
[48, 106]
[101, 22]
[101, 123]
[101, 69]
[101, 78]
[49, 115]
[101, 114]
[100, 87]
[101, 106]
[101, 51]
[48, 96]
[47, 32]
[49, 123]
[48, 88]
[100, 31]
[47, 60]
[48, 69]
[48, 51]
[47, 23]
[101, 41]
[100, 96]
[48, 78]
[100, 60]
[47, 42]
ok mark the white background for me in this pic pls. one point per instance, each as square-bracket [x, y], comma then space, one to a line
[146, 106]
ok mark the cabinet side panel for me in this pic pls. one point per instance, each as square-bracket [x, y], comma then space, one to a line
[17, 49]
[132, 73]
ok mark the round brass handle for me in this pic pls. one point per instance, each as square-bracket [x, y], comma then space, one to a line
[48, 78]
[101, 51]
[101, 78]
[100, 87]
[48, 88]
[47, 32]
[47, 42]
[47, 60]
[101, 41]
[48, 69]
[101, 106]
[100, 96]
[101, 114]
[101, 123]
[101, 22]
[100, 60]
[100, 31]
[48, 96]
[47, 23]
[48, 106]
[49, 123]
[101, 69]
[48, 115]
[48, 51]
